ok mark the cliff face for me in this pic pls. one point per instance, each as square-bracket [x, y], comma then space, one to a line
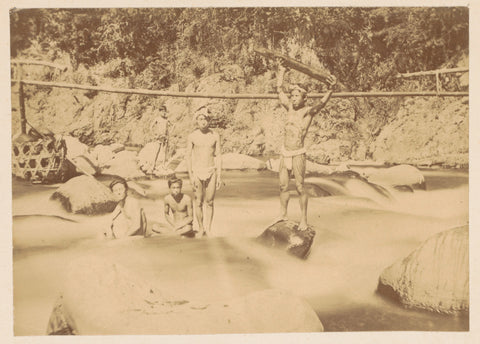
[415, 130]
[426, 131]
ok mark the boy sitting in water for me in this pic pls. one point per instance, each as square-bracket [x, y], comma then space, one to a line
[128, 218]
[179, 209]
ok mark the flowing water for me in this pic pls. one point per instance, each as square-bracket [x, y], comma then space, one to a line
[361, 230]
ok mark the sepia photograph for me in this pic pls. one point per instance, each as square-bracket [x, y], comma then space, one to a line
[239, 170]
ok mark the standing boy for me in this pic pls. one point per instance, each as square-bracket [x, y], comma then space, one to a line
[204, 169]
[293, 152]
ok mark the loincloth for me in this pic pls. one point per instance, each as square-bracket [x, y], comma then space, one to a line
[203, 173]
[288, 156]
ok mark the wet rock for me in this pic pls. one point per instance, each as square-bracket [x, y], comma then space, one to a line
[434, 277]
[104, 297]
[347, 174]
[285, 235]
[403, 188]
[85, 195]
[315, 190]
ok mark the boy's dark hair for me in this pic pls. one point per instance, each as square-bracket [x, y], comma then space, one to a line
[118, 180]
[174, 181]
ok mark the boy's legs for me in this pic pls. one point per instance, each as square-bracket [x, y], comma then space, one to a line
[199, 193]
[299, 167]
[186, 231]
[210, 189]
[284, 178]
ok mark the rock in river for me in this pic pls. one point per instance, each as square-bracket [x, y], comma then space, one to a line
[104, 297]
[285, 235]
[434, 277]
[85, 195]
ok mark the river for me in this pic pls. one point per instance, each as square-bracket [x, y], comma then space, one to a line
[360, 232]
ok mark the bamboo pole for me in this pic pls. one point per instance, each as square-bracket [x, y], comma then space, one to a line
[237, 95]
[40, 63]
[433, 72]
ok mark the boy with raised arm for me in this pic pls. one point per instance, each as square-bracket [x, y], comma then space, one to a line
[293, 152]
[204, 169]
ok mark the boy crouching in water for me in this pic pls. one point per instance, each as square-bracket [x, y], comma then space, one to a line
[179, 209]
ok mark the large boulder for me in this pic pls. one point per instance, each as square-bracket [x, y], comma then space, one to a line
[235, 161]
[124, 164]
[286, 236]
[151, 160]
[104, 297]
[434, 277]
[101, 155]
[151, 155]
[181, 167]
[75, 147]
[396, 176]
[85, 195]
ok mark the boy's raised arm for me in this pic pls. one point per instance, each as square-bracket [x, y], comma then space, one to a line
[282, 97]
[316, 108]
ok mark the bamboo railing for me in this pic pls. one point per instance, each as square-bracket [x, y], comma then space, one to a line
[147, 92]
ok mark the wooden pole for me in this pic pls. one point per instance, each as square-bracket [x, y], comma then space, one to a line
[294, 64]
[436, 71]
[237, 95]
[437, 81]
[21, 101]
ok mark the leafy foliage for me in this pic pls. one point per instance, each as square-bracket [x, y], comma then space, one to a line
[365, 48]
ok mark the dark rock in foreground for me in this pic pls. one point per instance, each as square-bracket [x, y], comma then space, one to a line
[434, 277]
[285, 235]
[85, 195]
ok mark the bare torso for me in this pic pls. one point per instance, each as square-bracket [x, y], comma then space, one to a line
[296, 127]
[179, 208]
[203, 149]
